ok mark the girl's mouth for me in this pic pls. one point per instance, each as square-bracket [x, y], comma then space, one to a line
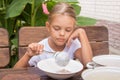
[61, 40]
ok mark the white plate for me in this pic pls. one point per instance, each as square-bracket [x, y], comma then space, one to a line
[53, 70]
[107, 60]
[102, 73]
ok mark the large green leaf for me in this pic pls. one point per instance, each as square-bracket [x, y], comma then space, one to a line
[77, 8]
[50, 4]
[40, 17]
[26, 14]
[16, 8]
[37, 3]
[85, 21]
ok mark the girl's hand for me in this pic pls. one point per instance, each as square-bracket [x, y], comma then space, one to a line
[74, 35]
[34, 49]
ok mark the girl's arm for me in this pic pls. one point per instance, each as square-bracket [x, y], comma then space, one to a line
[33, 49]
[23, 62]
[84, 54]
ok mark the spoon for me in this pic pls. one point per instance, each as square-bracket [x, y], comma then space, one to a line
[61, 58]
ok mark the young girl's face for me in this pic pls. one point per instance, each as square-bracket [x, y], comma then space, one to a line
[60, 28]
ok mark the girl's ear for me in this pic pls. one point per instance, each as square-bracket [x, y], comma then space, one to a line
[48, 26]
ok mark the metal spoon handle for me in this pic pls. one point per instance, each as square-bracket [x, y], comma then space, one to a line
[48, 52]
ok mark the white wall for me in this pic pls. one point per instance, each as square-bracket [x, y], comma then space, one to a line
[101, 9]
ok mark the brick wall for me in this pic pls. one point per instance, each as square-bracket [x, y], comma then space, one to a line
[101, 9]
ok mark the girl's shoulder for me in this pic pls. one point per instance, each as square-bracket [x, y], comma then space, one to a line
[43, 41]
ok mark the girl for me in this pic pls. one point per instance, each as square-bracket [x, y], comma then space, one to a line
[63, 37]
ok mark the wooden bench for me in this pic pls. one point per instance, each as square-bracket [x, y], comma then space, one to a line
[4, 48]
[97, 35]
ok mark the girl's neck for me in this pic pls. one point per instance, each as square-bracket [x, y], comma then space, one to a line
[54, 46]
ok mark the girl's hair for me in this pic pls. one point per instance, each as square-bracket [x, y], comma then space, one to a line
[63, 9]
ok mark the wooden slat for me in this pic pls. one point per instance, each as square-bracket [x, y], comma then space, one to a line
[4, 40]
[97, 35]
[100, 48]
[22, 51]
[4, 57]
[4, 48]
[29, 35]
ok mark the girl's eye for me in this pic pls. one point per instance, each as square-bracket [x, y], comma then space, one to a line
[57, 28]
[68, 30]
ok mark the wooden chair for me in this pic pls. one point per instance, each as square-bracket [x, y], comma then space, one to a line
[97, 35]
[29, 35]
[98, 38]
[4, 48]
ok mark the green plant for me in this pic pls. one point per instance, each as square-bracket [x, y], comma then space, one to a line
[15, 14]
[85, 21]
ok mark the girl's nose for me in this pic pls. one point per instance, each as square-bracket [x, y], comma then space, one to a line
[62, 32]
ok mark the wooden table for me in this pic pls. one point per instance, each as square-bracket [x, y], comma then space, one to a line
[28, 74]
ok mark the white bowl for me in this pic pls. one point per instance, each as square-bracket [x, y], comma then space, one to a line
[102, 73]
[104, 60]
[54, 71]
[107, 60]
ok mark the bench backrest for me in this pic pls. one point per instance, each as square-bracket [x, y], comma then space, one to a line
[4, 48]
[97, 35]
